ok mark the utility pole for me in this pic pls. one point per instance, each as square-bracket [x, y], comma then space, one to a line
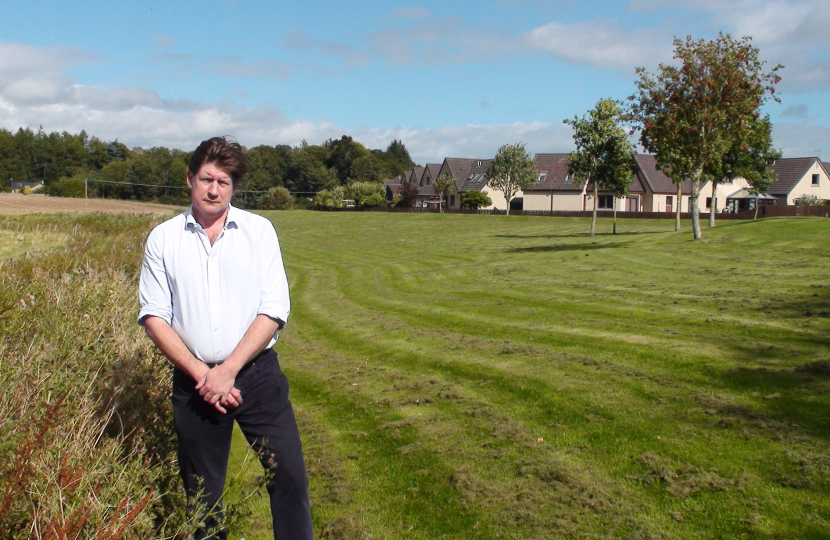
[86, 188]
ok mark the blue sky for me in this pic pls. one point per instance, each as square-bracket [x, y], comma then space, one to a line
[447, 78]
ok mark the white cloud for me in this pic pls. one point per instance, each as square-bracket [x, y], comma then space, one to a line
[601, 44]
[43, 95]
[802, 140]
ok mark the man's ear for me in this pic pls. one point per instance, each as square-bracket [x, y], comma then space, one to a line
[188, 178]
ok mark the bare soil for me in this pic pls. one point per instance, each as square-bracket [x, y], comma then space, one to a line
[17, 203]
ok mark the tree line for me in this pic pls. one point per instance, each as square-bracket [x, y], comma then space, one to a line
[65, 161]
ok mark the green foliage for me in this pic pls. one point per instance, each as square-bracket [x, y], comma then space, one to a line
[367, 194]
[277, 198]
[26, 190]
[691, 115]
[69, 187]
[810, 200]
[334, 198]
[512, 170]
[442, 186]
[604, 158]
[475, 200]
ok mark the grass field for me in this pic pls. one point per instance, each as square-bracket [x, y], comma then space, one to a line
[490, 377]
[19, 204]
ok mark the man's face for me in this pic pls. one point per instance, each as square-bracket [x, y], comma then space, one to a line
[211, 190]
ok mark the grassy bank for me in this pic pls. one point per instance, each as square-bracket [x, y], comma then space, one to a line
[491, 377]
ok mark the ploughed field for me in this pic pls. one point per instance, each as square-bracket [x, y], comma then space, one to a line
[510, 377]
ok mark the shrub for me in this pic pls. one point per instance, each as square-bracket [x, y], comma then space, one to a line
[277, 198]
[810, 200]
[68, 187]
[330, 199]
[475, 200]
[368, 194]
[26, 190]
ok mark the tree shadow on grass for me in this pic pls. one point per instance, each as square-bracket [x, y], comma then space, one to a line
[787, 398]
[575, 235]
[566, 247]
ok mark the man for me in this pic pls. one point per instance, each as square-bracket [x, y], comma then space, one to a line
[213, 295]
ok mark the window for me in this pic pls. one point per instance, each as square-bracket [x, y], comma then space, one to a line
[605, 202]
[428, 180]
[542, 177]
[815, 179]
[708, 202]
[669, 202]
[569, 178]
[478, 164]
[452, 200]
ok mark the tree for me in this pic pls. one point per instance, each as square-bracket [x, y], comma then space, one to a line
[751, 158]
[512, 170]
[409, 193]
[689, 116]
[475, 199]
[604, 157]
[277, 198]
[442, 185]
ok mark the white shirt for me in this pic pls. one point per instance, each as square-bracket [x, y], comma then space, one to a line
[210, 295]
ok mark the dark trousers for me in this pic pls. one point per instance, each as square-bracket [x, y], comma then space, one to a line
[267, 421]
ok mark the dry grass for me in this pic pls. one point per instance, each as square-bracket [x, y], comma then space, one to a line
[17, 203]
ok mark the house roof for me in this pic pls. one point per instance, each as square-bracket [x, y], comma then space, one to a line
[394, 181]
[655, 179]
[433, 169]
[416, 174]
[476, 177]
[555, 170]
[790, 172]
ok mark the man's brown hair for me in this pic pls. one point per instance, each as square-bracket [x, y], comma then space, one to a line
[227, 155]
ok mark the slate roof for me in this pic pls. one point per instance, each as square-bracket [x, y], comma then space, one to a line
[655, 179]
[790, 172]
[416, 174]
[394, 181]
[433, 169]
[476, 177]
[555, 168]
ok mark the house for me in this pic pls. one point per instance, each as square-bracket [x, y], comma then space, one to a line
[475, 179]
[426, 194]
[18, 186]
[393, 186]
[557, 190]
[800, 177]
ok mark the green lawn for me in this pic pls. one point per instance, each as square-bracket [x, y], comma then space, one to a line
[491, 377]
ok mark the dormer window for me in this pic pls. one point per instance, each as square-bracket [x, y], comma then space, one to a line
[569, 178]
[478, 163]
[542, 177]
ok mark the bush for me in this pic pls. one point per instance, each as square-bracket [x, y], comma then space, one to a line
[277, 198]
[68, 187]
[810, 200]
[475, 200]
[368, 194]
[330, 199]
[26, 190]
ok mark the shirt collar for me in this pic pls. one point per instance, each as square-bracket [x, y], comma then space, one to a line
[231, 220]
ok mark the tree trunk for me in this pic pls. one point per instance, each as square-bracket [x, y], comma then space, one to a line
[756, 207]
[713, 208]
[677, 209]
[615, 215]
[693, 203]
[594, 215]
[508, 204]
[440, 204]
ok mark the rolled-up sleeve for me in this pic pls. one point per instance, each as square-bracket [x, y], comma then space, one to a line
[154, 289]
[274, 301]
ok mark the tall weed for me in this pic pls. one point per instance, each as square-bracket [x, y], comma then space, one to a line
[87, 447]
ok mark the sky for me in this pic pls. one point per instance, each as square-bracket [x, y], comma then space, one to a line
[449, 79]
